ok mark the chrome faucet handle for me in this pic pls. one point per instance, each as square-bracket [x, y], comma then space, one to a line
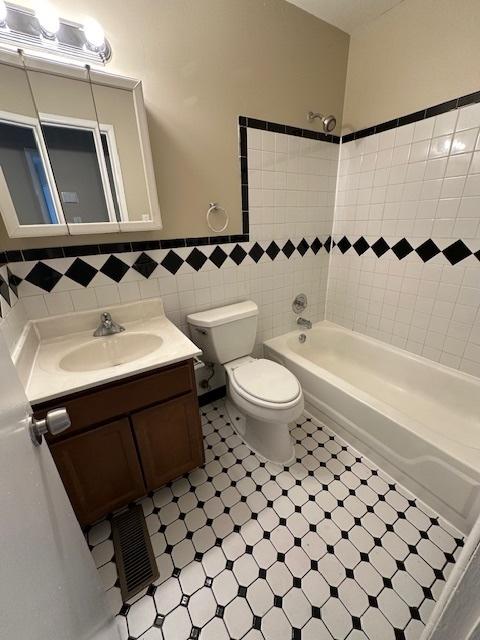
[107, 326]
[106, 320]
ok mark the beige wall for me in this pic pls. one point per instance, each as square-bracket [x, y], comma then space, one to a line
[420, 53]
[203, 63]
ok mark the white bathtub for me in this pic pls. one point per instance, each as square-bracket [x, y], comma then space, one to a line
[420, 421]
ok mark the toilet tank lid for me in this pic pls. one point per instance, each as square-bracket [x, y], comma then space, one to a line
[223, 315]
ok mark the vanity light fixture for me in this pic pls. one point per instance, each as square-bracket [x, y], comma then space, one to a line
[3, 14]
[94, 35]
[48, 20]
[43, 32]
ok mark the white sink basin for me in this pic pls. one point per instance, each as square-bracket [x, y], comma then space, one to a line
[59, 355]
[110, 351]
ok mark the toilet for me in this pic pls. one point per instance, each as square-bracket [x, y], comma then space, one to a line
[263, 397]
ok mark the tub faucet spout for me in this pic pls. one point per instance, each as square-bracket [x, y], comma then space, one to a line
[303, 322]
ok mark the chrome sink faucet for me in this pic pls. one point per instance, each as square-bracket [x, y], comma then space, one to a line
[107, 326]
[303, 322]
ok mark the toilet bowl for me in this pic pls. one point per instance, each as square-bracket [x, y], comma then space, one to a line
[263, 397]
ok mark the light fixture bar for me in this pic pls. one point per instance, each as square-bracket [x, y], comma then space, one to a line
[22, 29]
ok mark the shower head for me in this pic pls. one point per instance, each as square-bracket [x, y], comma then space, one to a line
[329, 122]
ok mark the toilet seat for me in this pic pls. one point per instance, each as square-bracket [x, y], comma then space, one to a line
[264, 383]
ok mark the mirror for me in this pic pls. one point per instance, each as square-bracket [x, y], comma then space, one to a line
[83, 141]
[116, 111]
[73, 139]
[28, 195]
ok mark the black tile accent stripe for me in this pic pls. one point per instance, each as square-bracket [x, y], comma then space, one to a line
[243, 151]
[275, 127]
[435, 110]
[27, 255]
[46, 277]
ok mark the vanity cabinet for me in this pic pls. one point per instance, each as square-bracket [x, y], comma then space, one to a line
[100, 469]
[127, 438]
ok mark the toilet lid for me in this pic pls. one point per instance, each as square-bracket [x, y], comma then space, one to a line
[267, 380]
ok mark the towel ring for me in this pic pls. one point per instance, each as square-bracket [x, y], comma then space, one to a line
[214, 208]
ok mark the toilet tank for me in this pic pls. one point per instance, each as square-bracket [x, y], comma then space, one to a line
[225, 333]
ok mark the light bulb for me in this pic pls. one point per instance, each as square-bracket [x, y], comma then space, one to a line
[48, 19]
[3, 13]
[94, 35]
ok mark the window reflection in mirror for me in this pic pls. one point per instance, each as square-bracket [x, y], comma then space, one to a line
[75, 148]
[27, 187]
[76, 166]
[24, 172]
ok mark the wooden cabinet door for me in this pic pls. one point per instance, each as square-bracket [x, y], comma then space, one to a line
[100, 470]
[169, 440]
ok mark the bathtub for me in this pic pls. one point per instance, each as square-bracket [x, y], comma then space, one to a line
[418, 420]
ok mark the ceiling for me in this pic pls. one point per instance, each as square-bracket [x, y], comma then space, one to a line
[347, 15]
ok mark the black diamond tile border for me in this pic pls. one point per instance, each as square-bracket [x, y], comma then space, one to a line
[344, 244]
[402, 248]
[114, 268]
[238, 254]
[44, 274]
[172, 262]
[8, 290]
[454, 253]
[427, 250]
[5, 291]
[218, 257]
[457, 252]
[145, 265]
[361, 245]
[256, 252]
[81, 272]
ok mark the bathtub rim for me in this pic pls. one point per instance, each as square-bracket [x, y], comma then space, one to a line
[464, 455]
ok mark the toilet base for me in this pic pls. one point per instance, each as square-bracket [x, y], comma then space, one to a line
[271, 441]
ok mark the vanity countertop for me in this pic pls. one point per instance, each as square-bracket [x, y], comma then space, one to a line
[59, 356]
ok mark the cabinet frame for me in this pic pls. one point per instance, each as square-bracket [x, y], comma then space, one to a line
[126, 400]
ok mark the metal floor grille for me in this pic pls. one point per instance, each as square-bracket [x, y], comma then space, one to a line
[133, 552]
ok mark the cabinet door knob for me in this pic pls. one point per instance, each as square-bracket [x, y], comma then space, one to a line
[56, 421]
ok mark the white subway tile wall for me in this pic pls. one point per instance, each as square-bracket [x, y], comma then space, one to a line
[417, 182]
[292, 183]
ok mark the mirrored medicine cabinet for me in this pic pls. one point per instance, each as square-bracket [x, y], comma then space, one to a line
[75, 154]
